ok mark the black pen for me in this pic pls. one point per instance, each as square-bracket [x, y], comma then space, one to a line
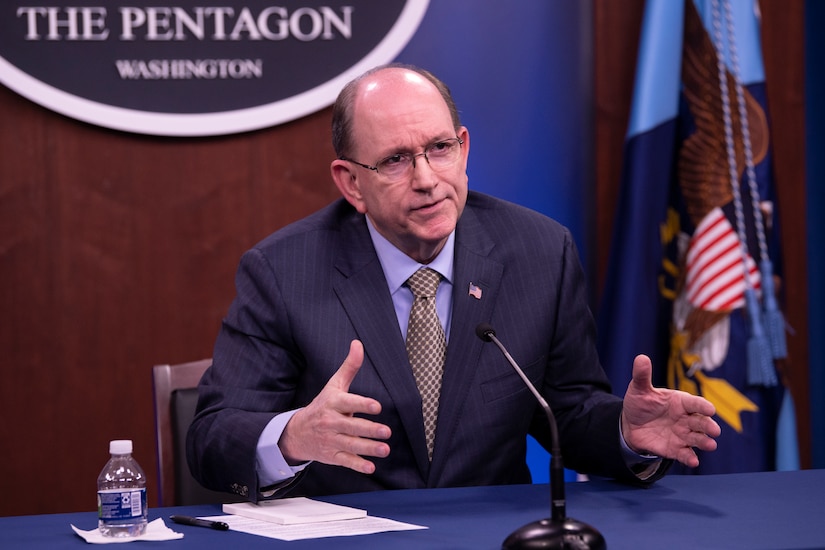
[197, 522]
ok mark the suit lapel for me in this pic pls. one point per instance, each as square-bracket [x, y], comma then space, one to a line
[376, 324]
[472, 267]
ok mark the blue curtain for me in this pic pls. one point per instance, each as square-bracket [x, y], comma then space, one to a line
[815, 169]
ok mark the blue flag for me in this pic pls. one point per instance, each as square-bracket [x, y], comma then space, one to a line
[694, 264]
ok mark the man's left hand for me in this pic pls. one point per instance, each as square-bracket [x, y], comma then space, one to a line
[666, 423]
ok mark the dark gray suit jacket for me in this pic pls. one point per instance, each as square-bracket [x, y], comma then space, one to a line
[309, 289]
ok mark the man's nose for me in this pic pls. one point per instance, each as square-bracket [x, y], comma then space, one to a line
[423, 179]
[424, 154]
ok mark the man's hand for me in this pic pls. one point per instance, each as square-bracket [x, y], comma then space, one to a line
[666, 423]
[326, 430]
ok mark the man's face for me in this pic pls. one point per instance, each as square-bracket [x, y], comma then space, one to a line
[399, 111]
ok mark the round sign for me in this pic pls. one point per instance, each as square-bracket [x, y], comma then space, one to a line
[156, 68]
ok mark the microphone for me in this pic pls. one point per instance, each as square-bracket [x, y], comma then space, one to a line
[557, 531]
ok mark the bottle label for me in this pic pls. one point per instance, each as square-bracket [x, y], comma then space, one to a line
[121, 503]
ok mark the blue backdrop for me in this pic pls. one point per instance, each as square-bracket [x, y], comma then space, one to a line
[521, 74]
[522, 78]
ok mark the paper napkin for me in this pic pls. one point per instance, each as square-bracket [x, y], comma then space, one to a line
[155, 530]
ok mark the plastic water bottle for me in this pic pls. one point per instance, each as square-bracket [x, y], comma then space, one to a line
[121, 493]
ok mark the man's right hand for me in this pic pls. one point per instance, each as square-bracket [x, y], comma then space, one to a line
[327, 431]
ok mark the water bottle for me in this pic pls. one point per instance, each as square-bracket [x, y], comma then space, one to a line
[121, 493]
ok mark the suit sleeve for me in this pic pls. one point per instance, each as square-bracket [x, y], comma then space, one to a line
[252, 378]
[576, 386]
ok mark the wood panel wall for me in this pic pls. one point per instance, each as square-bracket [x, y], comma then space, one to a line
[617, 26]
[118, 252]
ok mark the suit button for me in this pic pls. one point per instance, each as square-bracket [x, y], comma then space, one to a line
[239, 489]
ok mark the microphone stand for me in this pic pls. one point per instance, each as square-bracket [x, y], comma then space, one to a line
[558, 531]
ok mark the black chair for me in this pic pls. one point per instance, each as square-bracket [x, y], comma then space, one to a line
[176, 395]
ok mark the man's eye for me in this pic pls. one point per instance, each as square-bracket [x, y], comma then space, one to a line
[442, 149]
[395, 159]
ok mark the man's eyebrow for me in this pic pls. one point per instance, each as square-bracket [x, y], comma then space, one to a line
[398, 150]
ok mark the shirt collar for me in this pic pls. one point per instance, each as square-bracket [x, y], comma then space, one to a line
[398, 266]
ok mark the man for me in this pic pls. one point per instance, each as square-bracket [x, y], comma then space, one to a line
[312, 379]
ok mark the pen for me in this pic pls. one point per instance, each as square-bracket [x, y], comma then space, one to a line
[197, 522]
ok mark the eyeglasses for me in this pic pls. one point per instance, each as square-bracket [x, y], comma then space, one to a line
[398, 167]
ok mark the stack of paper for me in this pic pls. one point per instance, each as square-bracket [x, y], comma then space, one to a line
[290, 511]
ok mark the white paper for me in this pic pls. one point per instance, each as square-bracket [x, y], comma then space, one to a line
[294, 510]
[155, 530]
[343, 528]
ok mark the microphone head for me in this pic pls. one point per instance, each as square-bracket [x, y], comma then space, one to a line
[484, 331]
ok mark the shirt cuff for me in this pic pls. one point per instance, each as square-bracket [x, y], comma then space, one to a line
[271, 466]
[643, 466]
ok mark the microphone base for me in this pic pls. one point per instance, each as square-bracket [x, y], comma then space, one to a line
[553, 534]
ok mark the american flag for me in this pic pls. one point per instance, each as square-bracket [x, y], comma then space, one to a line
[715, 275]
[475, 291]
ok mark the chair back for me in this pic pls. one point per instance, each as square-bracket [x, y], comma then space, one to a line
[176, 396]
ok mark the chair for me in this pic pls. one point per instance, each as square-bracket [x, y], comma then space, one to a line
[175, 396]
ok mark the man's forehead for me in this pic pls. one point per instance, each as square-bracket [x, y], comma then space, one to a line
[393, 76]
[402, 106]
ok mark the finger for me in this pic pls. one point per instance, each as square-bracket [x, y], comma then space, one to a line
[697, 439]
[354, 462]
[363, 428]
[642, 372]
[705, 443]
[345, 374]
[361, 446]
[698, 405]
[344, 426]
[350, 403]
[704, 425]
[713, 428]
[351, 451]
[688, 457]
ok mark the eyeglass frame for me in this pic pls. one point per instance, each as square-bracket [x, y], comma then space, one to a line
[374, 168]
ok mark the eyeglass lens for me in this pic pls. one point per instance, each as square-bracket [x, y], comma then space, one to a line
[439, 155]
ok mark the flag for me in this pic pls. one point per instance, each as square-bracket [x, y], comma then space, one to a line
[695, 260]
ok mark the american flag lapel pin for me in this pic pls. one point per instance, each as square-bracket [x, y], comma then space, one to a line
[474, 291]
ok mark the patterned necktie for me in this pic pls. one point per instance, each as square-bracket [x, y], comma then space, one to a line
[426, 347]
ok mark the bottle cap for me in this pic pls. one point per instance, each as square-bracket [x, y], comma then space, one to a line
[120, 447]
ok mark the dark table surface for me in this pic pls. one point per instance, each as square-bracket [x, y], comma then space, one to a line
[773, 510]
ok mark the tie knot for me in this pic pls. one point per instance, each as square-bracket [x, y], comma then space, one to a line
[424, 282]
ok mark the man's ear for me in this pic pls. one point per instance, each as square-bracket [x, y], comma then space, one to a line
[347, 183]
